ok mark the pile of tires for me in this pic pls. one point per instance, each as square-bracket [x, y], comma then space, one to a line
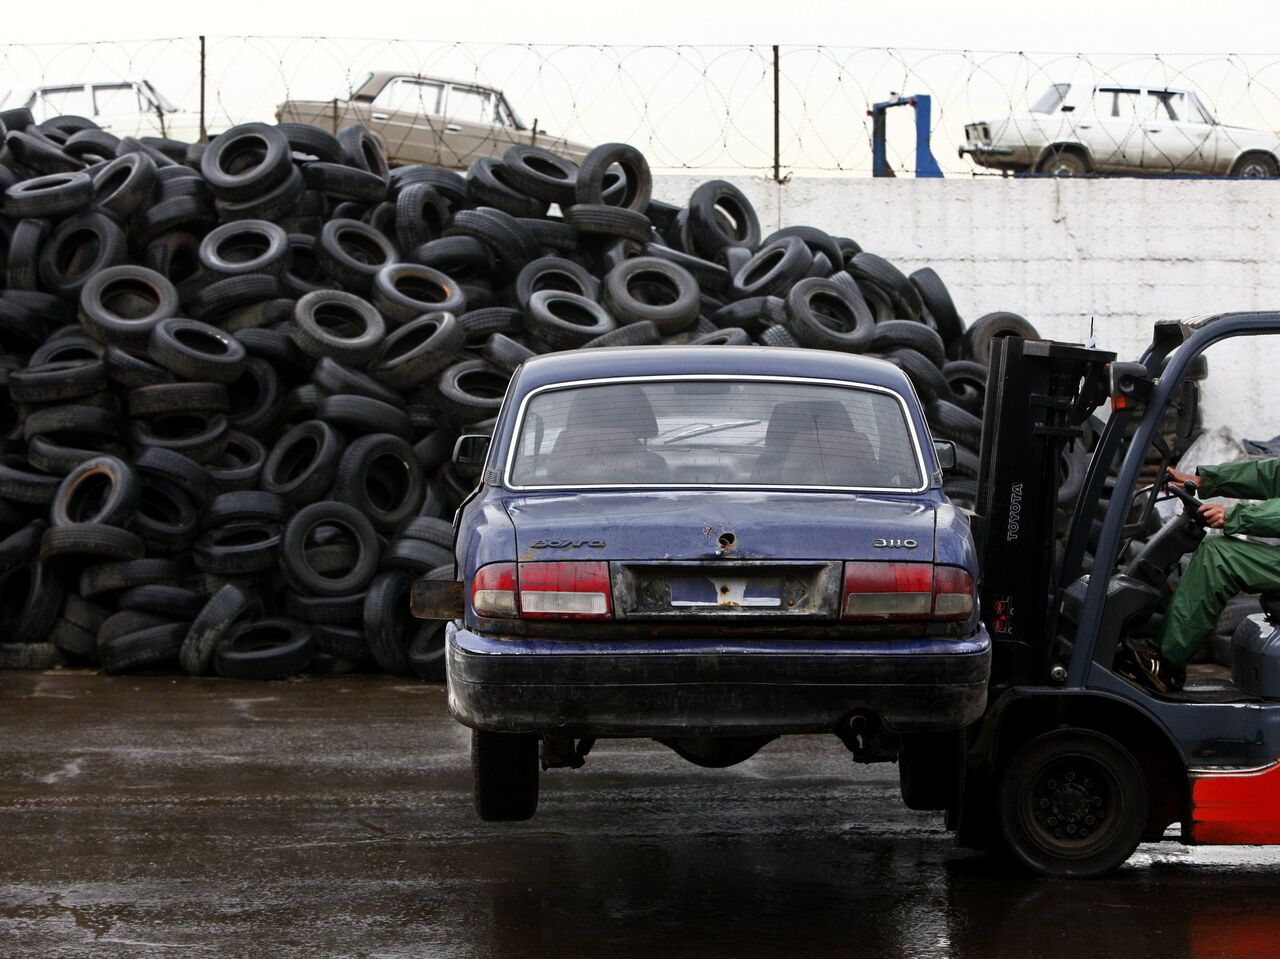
[233, 373]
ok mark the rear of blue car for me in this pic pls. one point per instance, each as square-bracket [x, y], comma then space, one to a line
[711, 547]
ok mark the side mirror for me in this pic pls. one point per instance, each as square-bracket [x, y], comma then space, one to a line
[945, 450]
[469, 454]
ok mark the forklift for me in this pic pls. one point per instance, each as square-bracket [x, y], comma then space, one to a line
[1074, 763]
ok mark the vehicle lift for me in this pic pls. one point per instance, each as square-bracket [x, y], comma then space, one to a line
[922, 103]
[1074, 763]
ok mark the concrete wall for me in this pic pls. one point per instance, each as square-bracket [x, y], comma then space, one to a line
[1122, 253]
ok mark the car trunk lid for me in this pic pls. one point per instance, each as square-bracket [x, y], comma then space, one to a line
[743, 554]
[721, 525]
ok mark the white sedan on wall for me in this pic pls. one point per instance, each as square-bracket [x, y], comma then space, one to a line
[1074, 130]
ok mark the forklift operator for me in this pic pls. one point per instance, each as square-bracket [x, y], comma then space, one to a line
[1222, 566]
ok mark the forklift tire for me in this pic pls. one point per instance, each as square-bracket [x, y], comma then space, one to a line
[504, 771]
[1073, 804]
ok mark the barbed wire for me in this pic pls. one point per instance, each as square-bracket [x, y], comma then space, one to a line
[706, 108]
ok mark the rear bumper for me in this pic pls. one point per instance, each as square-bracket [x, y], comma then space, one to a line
[998, 157]
[581, 688]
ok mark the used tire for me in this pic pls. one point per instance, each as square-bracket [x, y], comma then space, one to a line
[337, 324]
[404, 291]
[103, 490]
[265, 649]
[380, 477]
[420, 348]
[302, 465]
[297, 532]
[653, 289]
[825, 315]
[208, 630]
[566, 320]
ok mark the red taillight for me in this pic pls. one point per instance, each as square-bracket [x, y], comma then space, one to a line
[571, 590]
[886, 592]
[493, 591]
[952, 593]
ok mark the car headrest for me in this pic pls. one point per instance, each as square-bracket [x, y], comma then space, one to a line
[789, 418]
[622, 407]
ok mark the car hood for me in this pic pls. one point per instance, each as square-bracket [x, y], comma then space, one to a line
[689, 525]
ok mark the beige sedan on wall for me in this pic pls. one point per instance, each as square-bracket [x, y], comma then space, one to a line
[439, 122]
[1074, 129]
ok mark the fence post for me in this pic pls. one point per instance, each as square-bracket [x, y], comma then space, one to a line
[204, 131]
[777, 133]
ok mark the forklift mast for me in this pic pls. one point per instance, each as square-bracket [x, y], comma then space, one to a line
[922, 104]
[1039, 395]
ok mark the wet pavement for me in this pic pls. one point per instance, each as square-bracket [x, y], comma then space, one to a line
[156, 816]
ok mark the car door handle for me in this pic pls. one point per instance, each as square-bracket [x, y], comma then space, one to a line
[379, 116]
[453, 128]
[1085, 126]
[1154, 129]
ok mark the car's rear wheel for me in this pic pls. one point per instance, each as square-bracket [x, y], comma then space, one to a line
[930, 769]
[1256, 166]
[1073, 804]
[504, 771]
[1064, 163]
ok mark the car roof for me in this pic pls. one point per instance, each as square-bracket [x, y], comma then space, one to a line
[380, 78]
[624, 361]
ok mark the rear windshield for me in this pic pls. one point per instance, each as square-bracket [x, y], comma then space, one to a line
[1051, 99]
[715, 433]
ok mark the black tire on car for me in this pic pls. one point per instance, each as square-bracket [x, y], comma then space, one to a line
[1063, 161]
[931, 769]
[504, 773]
[1256, 165]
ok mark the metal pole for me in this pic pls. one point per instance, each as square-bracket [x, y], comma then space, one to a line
[204, 131]
[777, 133]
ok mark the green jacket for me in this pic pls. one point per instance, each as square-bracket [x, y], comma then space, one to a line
[1255, 479]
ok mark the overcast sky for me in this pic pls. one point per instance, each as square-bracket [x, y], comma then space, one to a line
[688, 81]
[1221, 26]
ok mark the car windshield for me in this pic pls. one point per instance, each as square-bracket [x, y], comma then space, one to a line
[165, 103]
[715, 432]
[1051, 99]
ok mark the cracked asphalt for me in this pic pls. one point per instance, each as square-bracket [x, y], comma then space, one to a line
[157, 816]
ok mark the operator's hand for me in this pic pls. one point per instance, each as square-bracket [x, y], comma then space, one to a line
[1213, 515]
[1182, 479]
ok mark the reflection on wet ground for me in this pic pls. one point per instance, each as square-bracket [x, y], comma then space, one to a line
[157, 816]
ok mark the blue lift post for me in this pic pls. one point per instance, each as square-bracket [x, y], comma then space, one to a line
[926, 165]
